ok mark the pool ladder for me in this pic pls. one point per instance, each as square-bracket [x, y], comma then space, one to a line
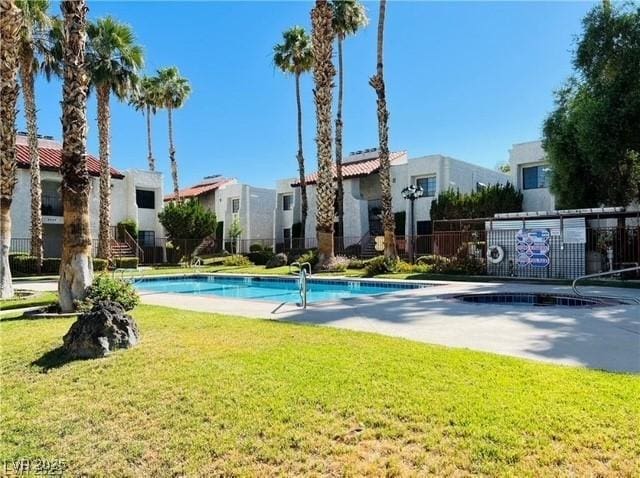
[574, 285]
[302, 280]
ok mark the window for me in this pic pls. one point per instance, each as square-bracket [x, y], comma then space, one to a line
[145, 199]
[146, 238]
[235, 205]
[287, 202]
[535, 177]
[428, 185]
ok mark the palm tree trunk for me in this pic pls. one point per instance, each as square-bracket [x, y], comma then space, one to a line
[377, 82]
[10, 19]
[323, 73]
[172, 157]
[104, 120]
[76, 269]
[28, 94]
[152, 161]
[304, 206]
[339, 185]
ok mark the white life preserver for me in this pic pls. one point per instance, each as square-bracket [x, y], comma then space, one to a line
[495, 254]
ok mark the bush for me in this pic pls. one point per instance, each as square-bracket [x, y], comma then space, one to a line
[431, 260]
[126, 262]
[255, 248]
[99, 265]
[128, 225]
[380, 265]
[22, 263]
[278, 260]
[356, 264]
[237, 260]
[467, 265]
[105, 287]
[51, 265]
[336, 264]
[310, 256]
[260, 258]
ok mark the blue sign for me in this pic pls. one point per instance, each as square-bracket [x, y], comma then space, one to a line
[532, 247]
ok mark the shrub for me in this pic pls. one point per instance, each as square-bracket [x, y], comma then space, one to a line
[126, 262]
[128, 225]
[260, 258]
[105, 287]
[51, 265]
[356, 264]
[278, 260]
[237, 260]
[336, 264]
[431, 260]
[380, 265]
[310, 256]
[467, 265]
[255, 248]
[22, 263]
[99, 265]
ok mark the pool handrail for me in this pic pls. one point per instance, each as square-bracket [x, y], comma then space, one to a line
[602, 274]
[302, 274]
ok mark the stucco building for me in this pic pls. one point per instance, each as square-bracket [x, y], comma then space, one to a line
[530, 173]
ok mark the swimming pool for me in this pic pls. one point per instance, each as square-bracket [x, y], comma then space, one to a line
[268, 288]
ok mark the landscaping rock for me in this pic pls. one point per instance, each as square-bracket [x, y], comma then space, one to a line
[278, 260]
[99, 332]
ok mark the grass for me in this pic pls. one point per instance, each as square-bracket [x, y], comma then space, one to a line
[31, 300]
[212, 395]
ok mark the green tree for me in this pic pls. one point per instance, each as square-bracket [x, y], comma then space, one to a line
[235, 231]
[592, 138]
[348, 17]
[484, 202]
[113, 60]
[187, 223]
[146, 98]
[294, 56]
[173, 91]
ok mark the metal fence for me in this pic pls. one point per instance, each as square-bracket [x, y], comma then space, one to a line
[602, 249]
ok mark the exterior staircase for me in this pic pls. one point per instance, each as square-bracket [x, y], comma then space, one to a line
[121, 249]
[368, 242]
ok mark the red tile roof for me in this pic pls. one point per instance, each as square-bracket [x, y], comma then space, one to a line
[50, 153]
[356, 169]
[200, 189]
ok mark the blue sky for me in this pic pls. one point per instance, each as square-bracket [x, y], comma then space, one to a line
[465, 79]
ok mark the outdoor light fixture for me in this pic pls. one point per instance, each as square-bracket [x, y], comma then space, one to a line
[411, 193]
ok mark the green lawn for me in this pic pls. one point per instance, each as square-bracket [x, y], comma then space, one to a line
[31, 300]
[209, 395]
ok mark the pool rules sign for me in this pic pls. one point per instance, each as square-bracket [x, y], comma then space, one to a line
[532, 247]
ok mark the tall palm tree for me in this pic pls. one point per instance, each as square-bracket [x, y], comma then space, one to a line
[10, 22]
[348, 17]
[35, 25]
[113, 59]
[145, 98]
[377, 82]
[323, 73]
[76, 269]
[173, 90]
[294, 56]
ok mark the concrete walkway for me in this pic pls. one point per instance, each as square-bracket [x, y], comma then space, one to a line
[597, 337]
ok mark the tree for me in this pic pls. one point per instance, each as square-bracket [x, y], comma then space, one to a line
[173, 91]
[35, 25]
[323, 73]
[348, 17]
[10, 22]
[113, 60]
[235, 231]
[76, 269]
[187, 223]
[377, 82]
[504, 167]
[592, 138]
[145, 98]
[294, 55]
[484, 202]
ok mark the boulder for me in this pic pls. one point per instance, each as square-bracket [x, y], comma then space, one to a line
[278, 260]
[101, 331]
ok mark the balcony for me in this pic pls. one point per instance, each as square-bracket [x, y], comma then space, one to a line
[51, 205]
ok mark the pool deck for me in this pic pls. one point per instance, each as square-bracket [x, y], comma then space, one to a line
[604, 337]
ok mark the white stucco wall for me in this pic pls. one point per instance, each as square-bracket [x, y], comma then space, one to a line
[526, 155]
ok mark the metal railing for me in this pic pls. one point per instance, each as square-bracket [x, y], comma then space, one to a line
[302, 281]
[574, 285]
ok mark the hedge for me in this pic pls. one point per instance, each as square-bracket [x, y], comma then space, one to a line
[126, 262]
[26, 264]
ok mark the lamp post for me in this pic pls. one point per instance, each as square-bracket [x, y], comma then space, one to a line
[411, 193]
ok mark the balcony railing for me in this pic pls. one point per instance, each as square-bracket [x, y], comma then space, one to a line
[51, 205]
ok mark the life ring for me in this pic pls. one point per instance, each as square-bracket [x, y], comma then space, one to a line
[495, 254]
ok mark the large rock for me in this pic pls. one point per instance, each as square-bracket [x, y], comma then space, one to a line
[99, 332]
[278, 260]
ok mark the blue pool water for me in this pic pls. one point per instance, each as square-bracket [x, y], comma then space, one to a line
[269, 289]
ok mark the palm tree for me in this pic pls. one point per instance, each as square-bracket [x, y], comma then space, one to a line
[10, 22]
[377, 82]
[173, 91]
[145, 98]
[35, 25]
[294, 56]
[348, 17]
[113, 60]
[323, 73]
[76, 269]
